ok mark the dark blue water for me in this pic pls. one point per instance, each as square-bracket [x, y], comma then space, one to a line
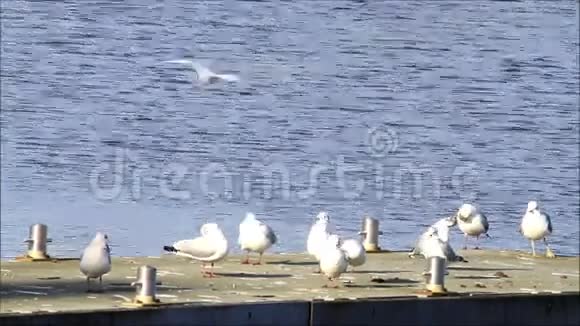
[397, 109]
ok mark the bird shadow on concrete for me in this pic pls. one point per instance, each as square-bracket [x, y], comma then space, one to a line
[477, 277]
[293, 263]
[368, 286]
[485, 269]
[376, 272]
[248, 275]
[395, 280]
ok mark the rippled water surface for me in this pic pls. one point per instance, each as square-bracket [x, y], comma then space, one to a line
[396, 109]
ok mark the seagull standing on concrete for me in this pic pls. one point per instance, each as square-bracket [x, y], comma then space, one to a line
[355, 252]
[204, 75]
[472, 223]
[318, 235]
[434, 242]
[96, 259]
[333, 260]
[255, 236]
[210, 247]
[537, 225]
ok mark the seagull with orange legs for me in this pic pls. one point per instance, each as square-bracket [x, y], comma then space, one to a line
[333, 260]
[319, 233]
[211, 247]
[472, 223]
[255, 236]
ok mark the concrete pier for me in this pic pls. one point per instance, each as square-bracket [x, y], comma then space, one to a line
[492, 287]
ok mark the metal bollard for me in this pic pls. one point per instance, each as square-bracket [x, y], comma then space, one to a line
[435, 283]
[370, 231]
[37, 240]
[145, 285]
[429, 261]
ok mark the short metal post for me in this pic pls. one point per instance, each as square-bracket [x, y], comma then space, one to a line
[37, 240]
[370, 231]
[436, 281]
[145, 284]
[427, 271]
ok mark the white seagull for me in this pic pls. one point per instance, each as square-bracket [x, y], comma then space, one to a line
[96, 259]
[355, 252]
[204, 74]
[210, 247]
[536, 225]
[255, 236]
[333, 260]
[472, 223]
[318, 235]
[434, 242]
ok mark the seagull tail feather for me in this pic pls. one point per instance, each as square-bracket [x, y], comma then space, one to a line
[170, 248]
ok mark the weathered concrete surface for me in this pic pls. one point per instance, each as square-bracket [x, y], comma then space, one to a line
[48, 286]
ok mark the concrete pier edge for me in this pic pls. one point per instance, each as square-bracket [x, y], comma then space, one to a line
[485, 309]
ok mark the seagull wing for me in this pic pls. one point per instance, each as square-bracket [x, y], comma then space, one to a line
[484, 222]
[270, 234]
[108, 253]
[198, 248]
[228, 77]
[201, 71]
[549, 221]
